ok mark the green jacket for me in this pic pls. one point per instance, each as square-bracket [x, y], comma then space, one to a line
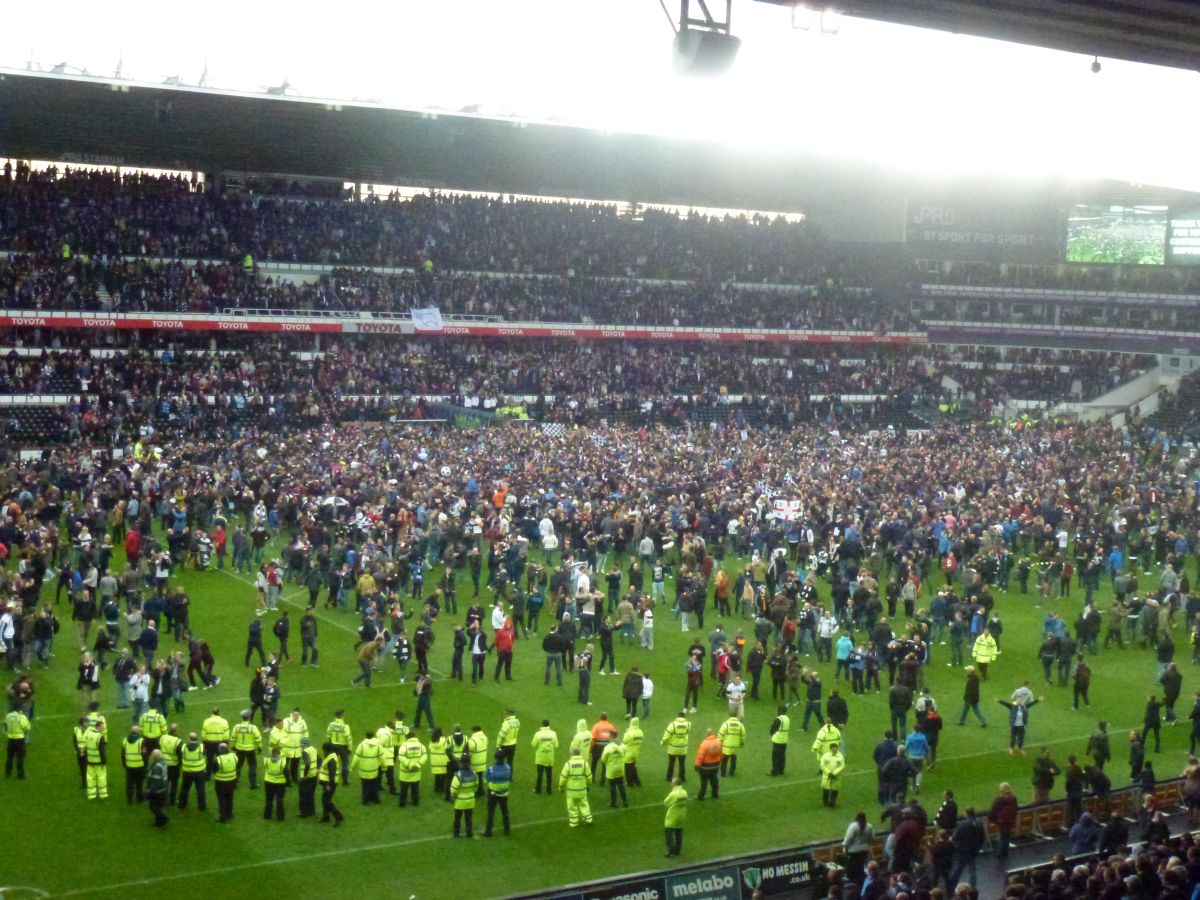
[676, 803]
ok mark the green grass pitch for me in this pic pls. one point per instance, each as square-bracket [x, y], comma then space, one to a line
[56, 843]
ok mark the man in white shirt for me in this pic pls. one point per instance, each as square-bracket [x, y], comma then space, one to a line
[647, 633]
[498, 615]
[139, 692]
[827, 627]
[736, 692]
[647, 693]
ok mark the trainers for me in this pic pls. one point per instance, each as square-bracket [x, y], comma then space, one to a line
[192, 688]
[216, 681]
[614, 672]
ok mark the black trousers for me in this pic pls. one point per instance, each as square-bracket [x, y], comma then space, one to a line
[708, 778]
[186, 781]
[249, 759]
[778, 758]
[274, 804]
[672, 761]
[16, 755]
[370, 790]
[632, 778]
[728, 765]
[224, 791]
[308, 797]
[328, 809]
[157, 803]
[617, 786]
[469, 815]
[343, 752]
[544, 770]
[674, 841]
[413, 788]
[173, 773]
[134, 780]
[493, 803]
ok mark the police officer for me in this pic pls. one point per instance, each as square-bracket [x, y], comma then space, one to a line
[506, 740]
[225, 780]
[633, 751]
[81, 750]
[366, 763]
[308, 779]
[675, 738]
[575, 779]
[95, 748]
[170, 744]
[214, 731]
[676, 803]
[462, 788]
[387, 755]
[456, 752]
[193, 768]
[154, 726]
[545, 743]
[296, 729]
[499, 780]
[328, 778]
[338, 734]
[733, 737]
[410, 759]
[133, 758]
[779, 741]
[275, 780]
[247, 744]
[477, 746]
[612, 758]
[832, 764]
[16, 729]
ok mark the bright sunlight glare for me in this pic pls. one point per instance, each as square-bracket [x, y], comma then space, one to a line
[911, 99]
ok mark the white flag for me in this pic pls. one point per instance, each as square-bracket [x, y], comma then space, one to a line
[428, 319]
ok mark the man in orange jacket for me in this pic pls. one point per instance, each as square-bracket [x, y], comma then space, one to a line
[708, 764]
[602, 733]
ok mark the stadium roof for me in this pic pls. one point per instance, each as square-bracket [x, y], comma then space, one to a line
[1159, 32]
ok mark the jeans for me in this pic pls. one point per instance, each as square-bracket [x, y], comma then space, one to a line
[961, 864]
[308, 644]
[974, 707]
[122, 694]
[554, 660]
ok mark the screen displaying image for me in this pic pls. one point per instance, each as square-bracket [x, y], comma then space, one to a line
[1183, 238]
[1132, 235]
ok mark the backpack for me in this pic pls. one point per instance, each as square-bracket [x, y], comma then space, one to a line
[279, 628]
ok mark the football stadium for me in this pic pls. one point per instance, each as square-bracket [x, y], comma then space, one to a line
[715, 449]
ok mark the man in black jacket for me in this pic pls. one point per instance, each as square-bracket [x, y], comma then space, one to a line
[254, 642]
[885, 750]
[895, 775]
[968, 840]
[552, 646]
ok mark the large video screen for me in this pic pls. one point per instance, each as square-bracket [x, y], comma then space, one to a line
[1183, 237]
[1131, 235]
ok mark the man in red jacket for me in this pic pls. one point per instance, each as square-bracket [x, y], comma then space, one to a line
[133, 545]
[503, 642]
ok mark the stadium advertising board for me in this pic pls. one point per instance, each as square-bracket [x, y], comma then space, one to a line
[649, 888]
[1183, 237]
[217, 322]
[784, 873]
[982, 230]
[705, 884]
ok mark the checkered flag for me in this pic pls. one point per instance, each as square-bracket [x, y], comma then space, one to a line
[554, 429]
